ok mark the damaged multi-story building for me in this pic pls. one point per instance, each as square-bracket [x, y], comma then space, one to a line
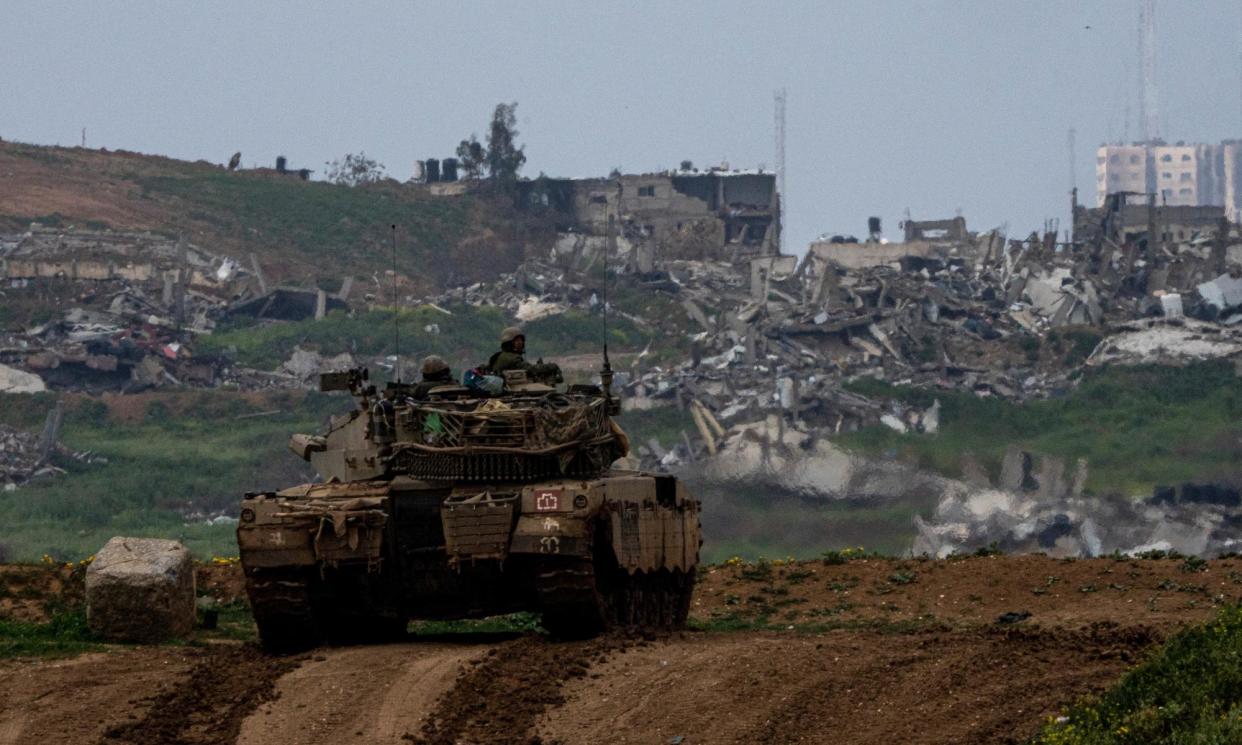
[1179, 175]
[718, 214]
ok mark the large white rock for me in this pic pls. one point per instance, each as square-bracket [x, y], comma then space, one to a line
[140, 590]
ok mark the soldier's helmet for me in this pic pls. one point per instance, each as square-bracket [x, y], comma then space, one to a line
[433, 364]
[510, 334]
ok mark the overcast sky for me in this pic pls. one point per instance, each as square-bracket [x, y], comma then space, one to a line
[934, 107]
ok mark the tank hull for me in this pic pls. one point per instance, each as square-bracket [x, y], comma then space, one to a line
[336, 561]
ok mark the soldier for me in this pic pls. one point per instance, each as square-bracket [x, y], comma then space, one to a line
[512, 354]
[436, 373]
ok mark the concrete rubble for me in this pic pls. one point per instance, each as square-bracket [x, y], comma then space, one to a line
[25, 456]
[947, 309]
[141, 301]
[1039, 507]
[140, 590]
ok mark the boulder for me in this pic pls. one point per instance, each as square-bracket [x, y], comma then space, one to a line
[140, 590]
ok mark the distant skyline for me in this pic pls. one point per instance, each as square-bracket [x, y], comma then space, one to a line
[932, 107]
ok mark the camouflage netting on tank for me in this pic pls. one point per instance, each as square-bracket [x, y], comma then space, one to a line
[566, 421]
[541, 425]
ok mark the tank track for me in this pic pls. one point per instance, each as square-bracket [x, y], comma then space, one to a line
[294, 613]
[577, 603]
[280, 600]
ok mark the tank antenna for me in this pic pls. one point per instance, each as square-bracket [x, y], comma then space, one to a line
[396, 311]
[605, 373]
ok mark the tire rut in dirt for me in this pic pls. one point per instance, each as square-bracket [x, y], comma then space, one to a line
[500, 697]
[208, 707]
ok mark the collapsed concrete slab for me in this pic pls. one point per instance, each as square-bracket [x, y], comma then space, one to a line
[140, 590]
[13, 380]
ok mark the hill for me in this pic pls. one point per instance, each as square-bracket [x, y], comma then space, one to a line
[303, 232]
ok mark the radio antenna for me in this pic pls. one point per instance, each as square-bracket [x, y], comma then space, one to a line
[396, 311]
[605, 373]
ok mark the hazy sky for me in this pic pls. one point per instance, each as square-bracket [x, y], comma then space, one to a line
[935, 107]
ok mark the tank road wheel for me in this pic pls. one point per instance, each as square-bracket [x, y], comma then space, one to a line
[572, 605]
[281, 604]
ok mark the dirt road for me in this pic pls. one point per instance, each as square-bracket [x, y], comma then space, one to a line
[908, 651]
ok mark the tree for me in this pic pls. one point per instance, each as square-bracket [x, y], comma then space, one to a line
[355, 170]
[504, 158]
[472, 157]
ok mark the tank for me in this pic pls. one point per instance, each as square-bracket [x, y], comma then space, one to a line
[452, 504]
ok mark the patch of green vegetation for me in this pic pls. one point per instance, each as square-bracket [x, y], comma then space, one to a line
[664, 425]
[1190, 691]
[64, 635]
[513, 623]
[736, 621]
[233, 621]
[190, 452]
[1137, 427]
[338, 229]
[466, 337]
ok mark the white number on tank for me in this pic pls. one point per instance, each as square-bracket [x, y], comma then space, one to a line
[549, 544]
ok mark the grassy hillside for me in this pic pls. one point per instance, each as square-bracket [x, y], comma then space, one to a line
[1137, 427]
[168, 454]
[467, 335]
[302, 232]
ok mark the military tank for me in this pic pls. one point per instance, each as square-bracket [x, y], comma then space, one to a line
[461, 504]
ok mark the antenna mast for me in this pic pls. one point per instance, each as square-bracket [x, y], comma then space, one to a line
[1073, 174]
[605, 372]
[1149, 110]
[778, 98]
[396, 311]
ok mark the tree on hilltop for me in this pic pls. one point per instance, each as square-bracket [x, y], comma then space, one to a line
[355, 170]
[472, 157]
[504, 158]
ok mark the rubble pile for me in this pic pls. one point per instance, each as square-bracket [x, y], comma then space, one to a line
[25, 456]
[141, 300]
[1039, 506]
[967, 312]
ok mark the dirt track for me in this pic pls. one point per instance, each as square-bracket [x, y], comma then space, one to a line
[879, 651]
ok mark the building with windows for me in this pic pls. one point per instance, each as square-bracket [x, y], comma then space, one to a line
[1180, 175]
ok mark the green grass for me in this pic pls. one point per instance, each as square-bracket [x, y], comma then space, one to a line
[335, 229]
[1137, 427]
[1190, 691]
[64, 635]
[189, 452]
[512, 623]
[733, 622]
[664, 425]
[467, 337]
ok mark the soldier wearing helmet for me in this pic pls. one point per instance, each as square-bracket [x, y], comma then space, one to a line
[512, 354]
[436, 373]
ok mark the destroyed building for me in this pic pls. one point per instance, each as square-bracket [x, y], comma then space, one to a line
[141, 299]
[716, 214]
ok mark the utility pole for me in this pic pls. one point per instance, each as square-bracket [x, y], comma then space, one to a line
[1072, 159]
[779, 101]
